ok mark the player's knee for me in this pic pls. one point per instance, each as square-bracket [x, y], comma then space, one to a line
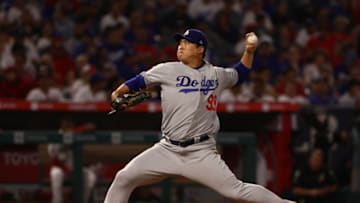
[233, 192]
[56, 173]
[122, 178]
[248, 191]
[244, 191]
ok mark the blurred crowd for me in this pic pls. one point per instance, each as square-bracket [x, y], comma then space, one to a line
[79, 50]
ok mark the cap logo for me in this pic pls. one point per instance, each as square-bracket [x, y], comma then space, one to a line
[201, 42]
[187, 32]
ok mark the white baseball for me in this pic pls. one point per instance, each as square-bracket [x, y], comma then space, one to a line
[252, 39]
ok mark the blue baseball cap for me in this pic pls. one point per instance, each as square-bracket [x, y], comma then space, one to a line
[194, 36]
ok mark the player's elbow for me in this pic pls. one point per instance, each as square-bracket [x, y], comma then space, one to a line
[122, 89]
[113, 95]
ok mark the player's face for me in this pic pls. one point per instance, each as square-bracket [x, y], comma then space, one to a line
[187, 51]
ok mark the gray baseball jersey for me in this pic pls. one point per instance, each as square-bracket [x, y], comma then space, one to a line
[189, 97]
[189, 101]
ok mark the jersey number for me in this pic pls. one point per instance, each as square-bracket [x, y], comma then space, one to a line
[211, 103]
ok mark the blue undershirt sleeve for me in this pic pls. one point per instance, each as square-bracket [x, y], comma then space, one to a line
[136, 83]
[243, 72]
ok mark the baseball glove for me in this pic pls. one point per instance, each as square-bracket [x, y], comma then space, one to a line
[128, 100]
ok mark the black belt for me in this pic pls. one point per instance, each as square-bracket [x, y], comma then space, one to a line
[188, 142]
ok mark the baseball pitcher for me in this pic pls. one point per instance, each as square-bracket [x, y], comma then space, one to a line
[190, 89]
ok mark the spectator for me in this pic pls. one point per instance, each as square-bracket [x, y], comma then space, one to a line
[61, 163]
[247, 87]
[290, 94]
[354, 71]
[318, 67]
[265, 74]
[82, 29]
[266, 57]
[212, 52]
[324, 40]
[257, 92]
[293, 60]
[21, 8]
[89, 45]
[111, 77]
[115, 16]
[321, 93]
[204, 9]
[255, 17]
[289, 79]
[94, 92]
[282, 14]
[63, 25]
[341, 158]
[284, 37]
[13, 86]
[45, 91]
[79, 78]
[230, 95]
[22, 55]
[136, 20]
[119, 52]
[144, 49]
[352, 95]
[306, 32]
[6, 58]
[322, 128]
[314, 183]
[341, 37]
[234, 9]
[61, 61]
[175, 17]
[342, 7]
[44, 66]
[45, 39]
[167, 6]
[224, 27]
[151, 22]
[28, 23]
